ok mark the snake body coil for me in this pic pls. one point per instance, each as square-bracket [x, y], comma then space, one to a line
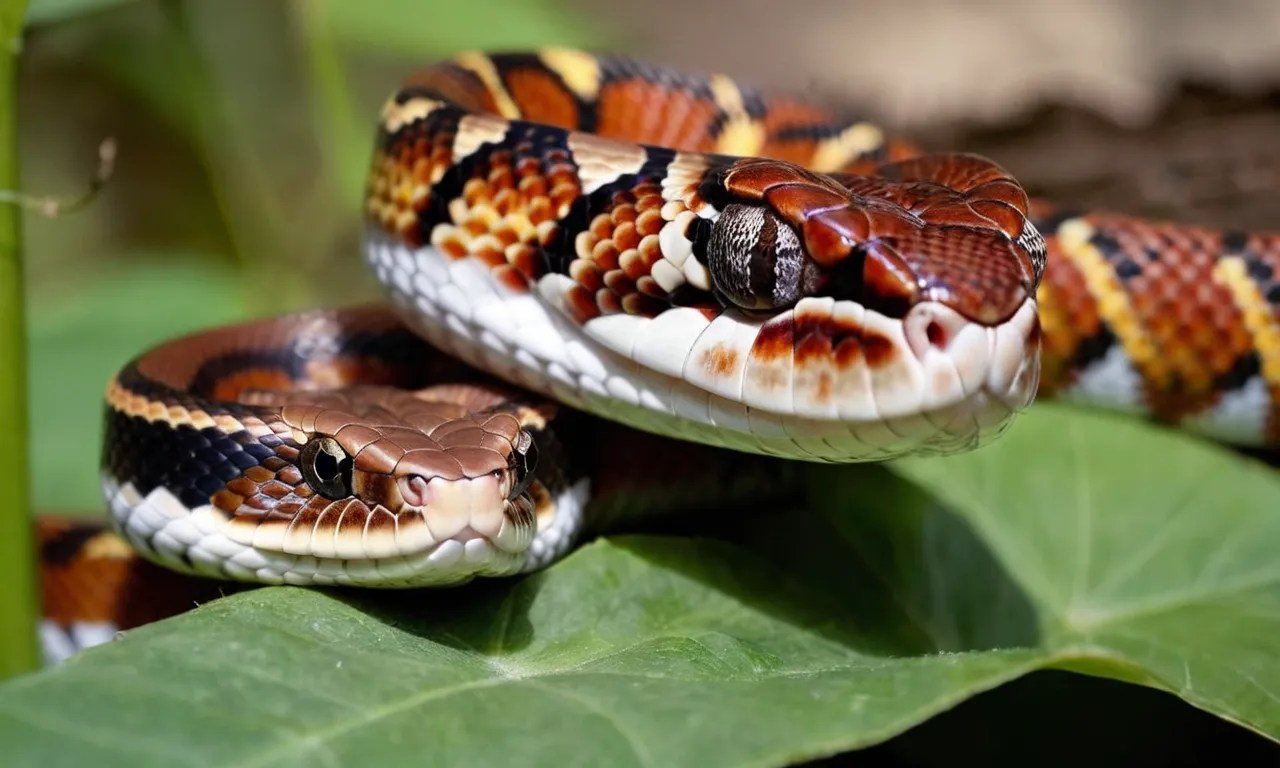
[679, 254]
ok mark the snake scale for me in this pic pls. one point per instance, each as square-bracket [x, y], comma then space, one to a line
[601, 271]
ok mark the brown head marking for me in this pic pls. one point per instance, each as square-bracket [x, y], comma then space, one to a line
[945, 228]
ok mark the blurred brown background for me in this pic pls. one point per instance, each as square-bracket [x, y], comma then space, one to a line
[244, 125]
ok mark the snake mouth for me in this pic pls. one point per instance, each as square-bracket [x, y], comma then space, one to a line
[960, 359]
[467, 509]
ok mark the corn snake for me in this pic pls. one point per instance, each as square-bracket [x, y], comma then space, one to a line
[475, 193]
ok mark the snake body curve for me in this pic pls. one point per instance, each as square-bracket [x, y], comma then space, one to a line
[680, 254]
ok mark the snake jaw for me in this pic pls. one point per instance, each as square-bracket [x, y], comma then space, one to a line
[469, 508]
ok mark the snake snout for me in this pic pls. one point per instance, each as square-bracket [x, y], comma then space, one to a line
[466, 507]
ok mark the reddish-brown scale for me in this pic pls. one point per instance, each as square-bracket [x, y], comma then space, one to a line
[878, 350]
[542, 96]
[889, 279]
[1188, 314]
[586, 274]
[539, 209]
[275, 490]
[625, 237]
[453, 248]
[927, 231]
[256, 505]
[525, 258]
[506, 236]
[837, 340]
[829, 237]
[622, 214]
[632, 265]
[229, 387]
[562, 195]
[227, 501]
[649, 287]
[640, 304]
[601, 226]
[750, 179]
[649, 203]
[581, 304]
[529, 169]
[785, 113]
[649, 222]
[380, 522]
[512, 278]
[244, 486]
[474, 192]
[456, 84]
[88, 574]
[488, 254]
[604, 254]
[607, 302]
[650, 251]
[506, 201]
[643, 111]
[618, 283]
[502, 178]
[380, 457]
[775, 339]
[799, 201]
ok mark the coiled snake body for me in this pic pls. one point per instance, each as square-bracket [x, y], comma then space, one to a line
[685, 257]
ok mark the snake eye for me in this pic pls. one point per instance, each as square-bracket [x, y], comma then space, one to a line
[524, 463]
[326, 467]
[756, 260]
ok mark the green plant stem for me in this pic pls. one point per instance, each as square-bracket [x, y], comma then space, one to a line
[346, 140]
[19, 651]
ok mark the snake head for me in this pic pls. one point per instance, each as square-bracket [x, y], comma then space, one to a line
[393, 473]
[950, 229]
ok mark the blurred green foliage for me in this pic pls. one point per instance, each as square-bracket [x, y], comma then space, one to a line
[244, 129]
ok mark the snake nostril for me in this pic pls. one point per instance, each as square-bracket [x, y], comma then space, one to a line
[932, 326]
[936, 334]
[415, 490]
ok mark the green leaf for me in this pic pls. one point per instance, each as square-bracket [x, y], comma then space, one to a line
[77, 340]
[55, 11]
[615, 658]
[1075, 542]
[414, 28]
[1149, 557]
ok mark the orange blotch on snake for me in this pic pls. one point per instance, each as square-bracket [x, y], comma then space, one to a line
[231, 386]
[617, 281]
[586, 274]
[275, 489]
[649, 287]
[605, 254]
[775, 340]
[608, 302]
[878, 350]
[625, 236]
[623, 213]
[227, 501]
[650, 222]
[581, 304]
[640, 304]
[720, 360]
[632, 265]
[243, 486]
[542, 96]
[512, 277]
